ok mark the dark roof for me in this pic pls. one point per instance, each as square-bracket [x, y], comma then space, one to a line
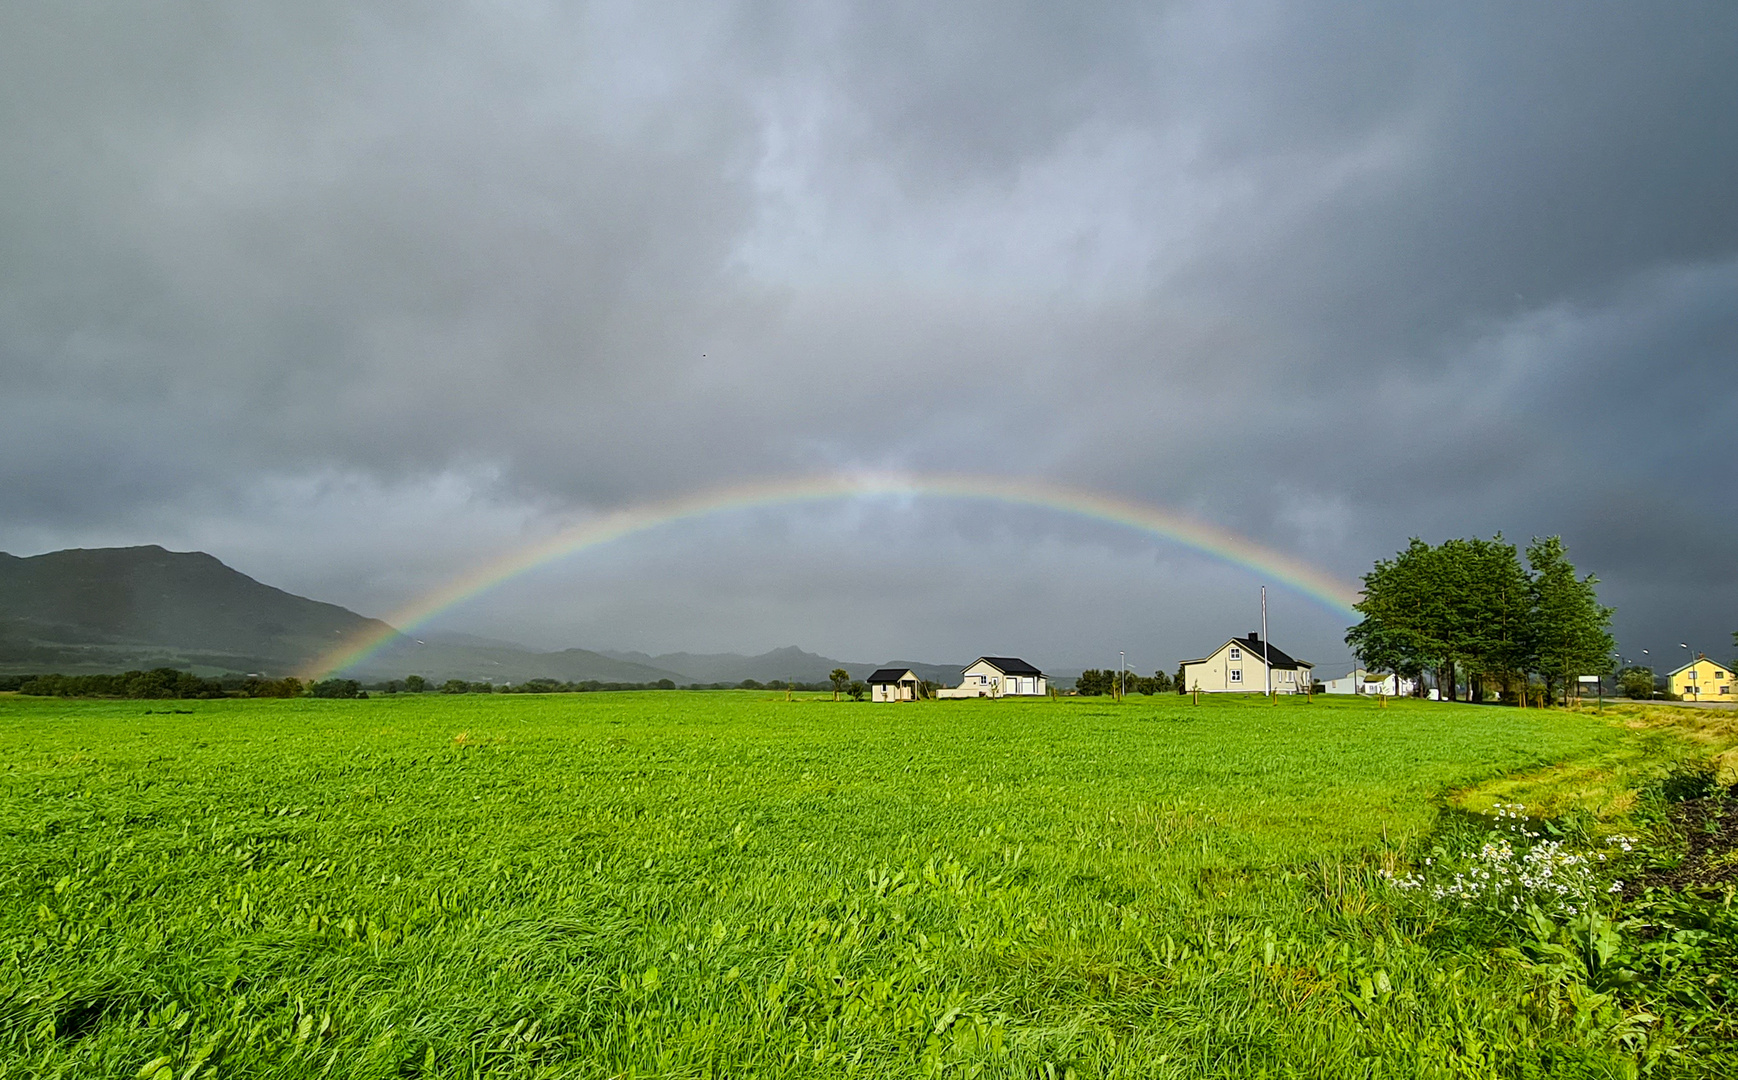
[1278, 658]
[891, 675]
[1008, 665]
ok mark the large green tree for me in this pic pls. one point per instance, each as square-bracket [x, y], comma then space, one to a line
[1405, 628]
[1468, 606]
[1572, 630]
[1491, 612]
[1636, 682]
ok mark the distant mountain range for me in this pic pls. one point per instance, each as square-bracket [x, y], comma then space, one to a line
[789, 663]
[112, 609]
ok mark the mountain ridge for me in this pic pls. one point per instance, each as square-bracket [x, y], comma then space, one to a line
[88, 610]
[96, 607]
[789, 663]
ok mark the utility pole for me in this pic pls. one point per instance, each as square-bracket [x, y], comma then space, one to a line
[1266, 649]
[1122, 674]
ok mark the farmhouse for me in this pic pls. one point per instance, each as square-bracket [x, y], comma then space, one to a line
[893, 684]
[1240, 667]
[998, 676]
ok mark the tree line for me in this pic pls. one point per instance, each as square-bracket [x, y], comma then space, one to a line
[550, 686]
[417, 684]
[1111, 683]
[173, 683]
[1470, 608]
[156, 684]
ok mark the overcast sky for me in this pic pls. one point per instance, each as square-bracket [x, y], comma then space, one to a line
[356, 296]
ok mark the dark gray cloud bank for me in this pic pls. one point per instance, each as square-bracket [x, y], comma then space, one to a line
[354, 296]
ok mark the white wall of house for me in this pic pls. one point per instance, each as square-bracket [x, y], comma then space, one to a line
[1024, 686]
[904, 690]
[1235, 669]
[964, 691]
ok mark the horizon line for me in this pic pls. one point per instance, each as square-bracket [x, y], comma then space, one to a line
[1169, 525]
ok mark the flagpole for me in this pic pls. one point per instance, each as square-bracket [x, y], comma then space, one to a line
[1266, 648]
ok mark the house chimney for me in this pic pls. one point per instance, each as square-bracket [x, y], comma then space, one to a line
[1253, 636]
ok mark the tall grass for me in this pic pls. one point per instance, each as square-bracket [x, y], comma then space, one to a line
[729, 884]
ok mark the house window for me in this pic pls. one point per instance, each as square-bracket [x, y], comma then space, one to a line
[1236, 653]
[1236, 674]
[983, 680]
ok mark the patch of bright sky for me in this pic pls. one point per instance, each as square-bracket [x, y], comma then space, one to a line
[1108, 213]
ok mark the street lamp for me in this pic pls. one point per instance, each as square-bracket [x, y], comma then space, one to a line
[1695, 690]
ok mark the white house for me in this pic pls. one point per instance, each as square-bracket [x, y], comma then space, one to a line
[998, 676]
[1240, 666]
[893, 684]
[1372, 682]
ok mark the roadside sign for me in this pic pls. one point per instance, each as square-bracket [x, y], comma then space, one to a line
[1588, 678]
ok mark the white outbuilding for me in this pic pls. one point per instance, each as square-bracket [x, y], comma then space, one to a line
[1372, 683]
[894, 684]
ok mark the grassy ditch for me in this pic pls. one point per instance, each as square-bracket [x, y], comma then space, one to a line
[1610, 782]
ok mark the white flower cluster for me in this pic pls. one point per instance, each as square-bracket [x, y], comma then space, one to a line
[1503, 877]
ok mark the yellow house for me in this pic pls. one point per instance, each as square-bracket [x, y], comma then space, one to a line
[1703, 680]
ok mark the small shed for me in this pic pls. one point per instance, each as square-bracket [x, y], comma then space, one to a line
[893, 684]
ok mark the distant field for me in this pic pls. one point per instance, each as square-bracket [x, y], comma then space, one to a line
[721, 884]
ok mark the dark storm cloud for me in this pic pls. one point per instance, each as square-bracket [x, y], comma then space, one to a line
[1329, 275]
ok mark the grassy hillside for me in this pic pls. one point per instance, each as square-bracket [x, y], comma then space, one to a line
[107, 609]
[683, 884]
[111, 609]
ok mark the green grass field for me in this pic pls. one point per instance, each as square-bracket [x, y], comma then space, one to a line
[729, 884]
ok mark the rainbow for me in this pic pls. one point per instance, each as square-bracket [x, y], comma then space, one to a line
[1208, 539]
